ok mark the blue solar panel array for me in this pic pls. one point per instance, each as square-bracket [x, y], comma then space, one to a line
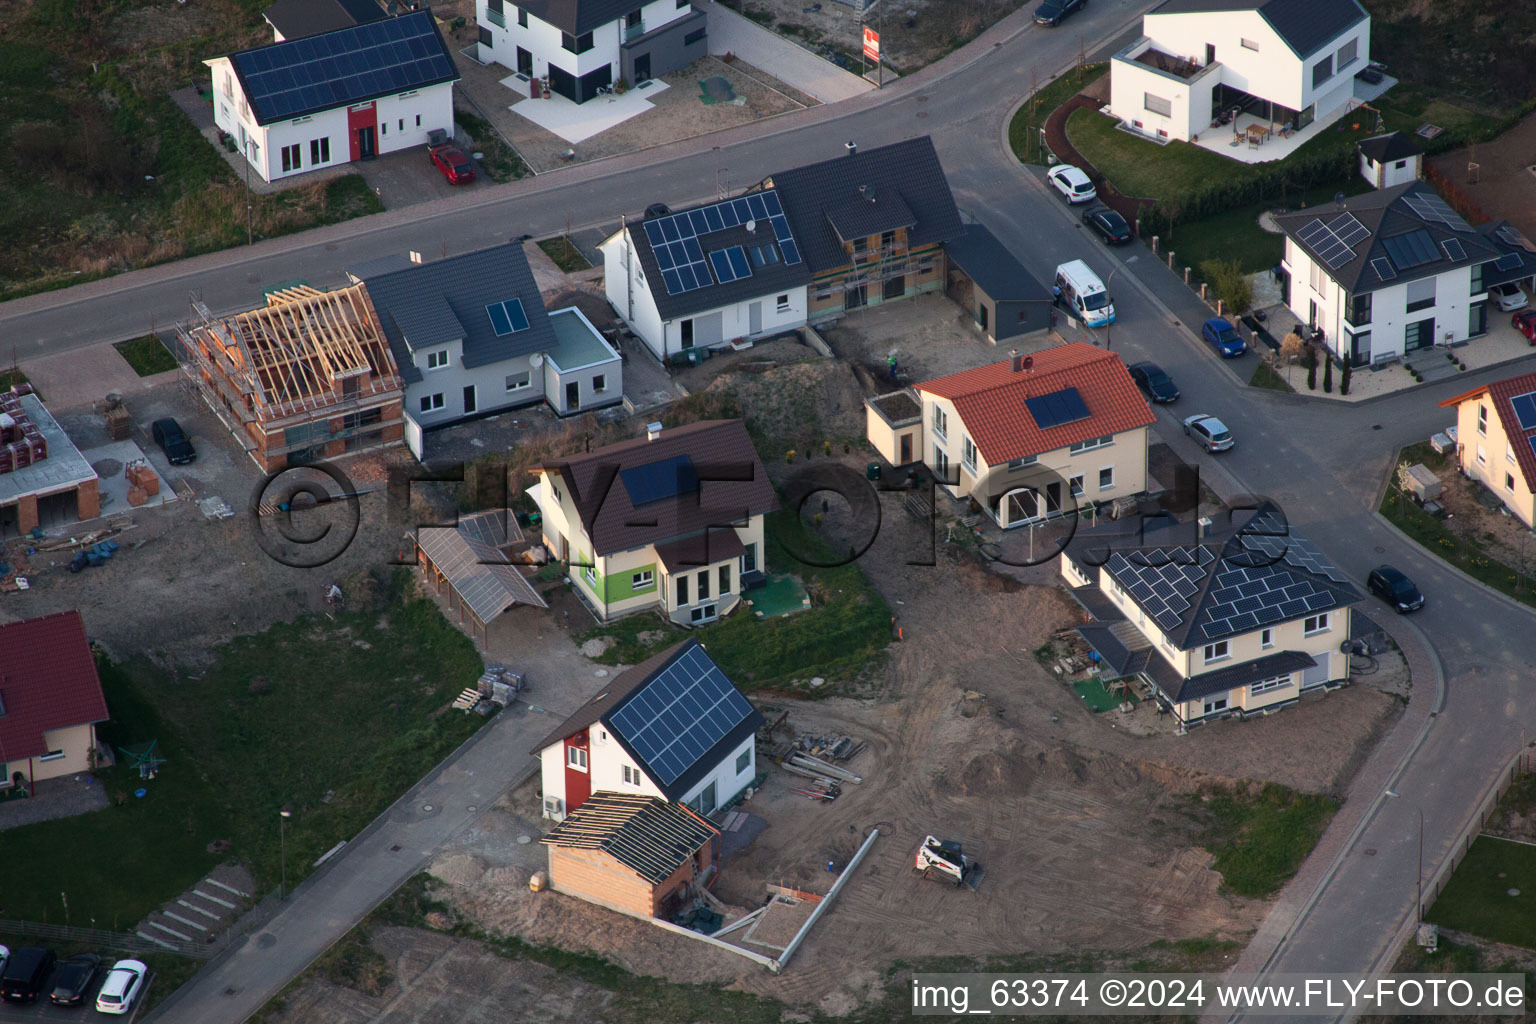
[507, 317]
[730, 264]
[1056, 408]
[1411, 250]
[675, 239]
[301, 76]
[656, 481]
[1525, 410]
[678, 716]
[1509, 261]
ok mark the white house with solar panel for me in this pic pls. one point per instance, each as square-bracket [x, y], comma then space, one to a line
[1396, 270]
[337, 97]
[704, 277]
[673, 727]
[1212, 618]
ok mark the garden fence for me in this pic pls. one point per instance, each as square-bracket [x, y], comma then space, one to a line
[127, 941]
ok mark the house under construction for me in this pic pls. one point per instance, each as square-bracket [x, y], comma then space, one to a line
[308, 376]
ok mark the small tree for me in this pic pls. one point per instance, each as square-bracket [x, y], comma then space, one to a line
[1230, 283]
[1290, 347]
[1327, 373]
[1344, 380]
[1311, 358]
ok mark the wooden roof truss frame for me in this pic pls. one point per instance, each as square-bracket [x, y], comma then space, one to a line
[643, 833]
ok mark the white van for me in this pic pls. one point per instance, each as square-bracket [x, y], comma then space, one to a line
[1083, 293]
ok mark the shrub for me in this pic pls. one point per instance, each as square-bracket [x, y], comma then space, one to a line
[1344, 380]
[1231, 285]
[1311, 373]
[1328, 375]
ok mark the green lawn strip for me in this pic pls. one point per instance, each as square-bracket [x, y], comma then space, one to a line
[1265, 376]
[147, 355]
[1260, 838]
[565, 254]
[1477, 899]
[167, 971]
[497, 159]
[1235, 234]
[842, 638]
[1024, 129]
[300, 715]
[1431, 533]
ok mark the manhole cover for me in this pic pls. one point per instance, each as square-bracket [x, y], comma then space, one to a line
[1513, 892]
[266, 940]
[1371, 852]
[1375, 426]
[1380, 550]
[426, 807]
[473, 808]
[395, 848]
[524, 840]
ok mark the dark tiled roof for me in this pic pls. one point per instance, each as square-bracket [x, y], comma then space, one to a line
[295, 19]
[734, 485]
[1518, 437]
[345, 66]
[1389, 215]
[769, 279]
[430, 304]
[995, 270]
[1250, 572]
[47, 681]
[1391, 146]
[1305, 25]
[701, 549]
[991, 401]
[909, 169]
[578, 17]
[874, 211]
[1230, 678]
[644, 833]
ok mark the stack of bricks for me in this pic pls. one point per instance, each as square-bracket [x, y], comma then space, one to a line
[142, 476]
[21, 440]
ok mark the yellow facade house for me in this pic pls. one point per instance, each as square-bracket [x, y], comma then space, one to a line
[672, 521]
[1212, 618]
[50, 700]
[1496, 435]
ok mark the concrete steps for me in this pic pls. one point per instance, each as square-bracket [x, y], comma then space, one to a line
[201, 914]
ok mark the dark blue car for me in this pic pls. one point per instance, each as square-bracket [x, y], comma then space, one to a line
[1220, 333]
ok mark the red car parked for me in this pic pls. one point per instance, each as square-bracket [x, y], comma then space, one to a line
[1525, 323]
[453, 163]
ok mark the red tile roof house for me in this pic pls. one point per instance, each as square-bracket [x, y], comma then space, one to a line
[50, 699]
[1027, 439]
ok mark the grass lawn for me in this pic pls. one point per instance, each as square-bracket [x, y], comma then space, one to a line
[842, 638]
[147, 355]
[1477, 899]
[1264, 376]
[565, 254]
[1024, 129]
[333, 720]
[1431, 533]
[167, 971]
[1236, 235]
[1260, 839]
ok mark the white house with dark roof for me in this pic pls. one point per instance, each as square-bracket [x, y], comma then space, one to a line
[1232, 617]
[1277, 62]
[708, 275]
[471, 336]
[673, 727]
[348, 94]
[582, 46]
[1392, 271]
[296, 19]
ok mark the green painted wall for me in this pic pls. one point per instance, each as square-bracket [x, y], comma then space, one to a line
[620, 586]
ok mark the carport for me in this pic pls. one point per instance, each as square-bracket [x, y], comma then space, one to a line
[989, 283]
[471, 562]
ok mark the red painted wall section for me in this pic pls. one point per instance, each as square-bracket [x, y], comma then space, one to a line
[361, 119]
[578, 783]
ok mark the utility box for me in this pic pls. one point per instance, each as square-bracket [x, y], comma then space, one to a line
[1418, 481]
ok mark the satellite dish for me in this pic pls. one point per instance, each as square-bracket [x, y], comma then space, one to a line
[536, 360]
[751, 225]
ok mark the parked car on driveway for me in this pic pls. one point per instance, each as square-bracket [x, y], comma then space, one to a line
[1525, 323]
[1072, 183]
[72, 978]
[1212, 434]
[124, 984]
[450, 159]
[1154, 383]
[1223, 336]
[1052, 11]
[1509, 296]
[173, 441]
[1395, 589]
[25, 974]
[1108, 225]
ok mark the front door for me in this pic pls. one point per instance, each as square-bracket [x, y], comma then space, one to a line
[755, 318]
[906, 449]
[706, 800]
[524, 62]
[1053, 498]
[1477, 320]
[686, 329]
[894, 287]
[366, 149]
[361, 122]
[573, 395]
[642, 68]
[1419, 335]
[469, 399]
[854, 298]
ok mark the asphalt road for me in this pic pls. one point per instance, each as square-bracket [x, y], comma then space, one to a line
[1323, 462]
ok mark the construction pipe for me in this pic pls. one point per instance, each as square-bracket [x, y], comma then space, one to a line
[794, 943]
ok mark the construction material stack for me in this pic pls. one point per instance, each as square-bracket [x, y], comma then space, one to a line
[119, 425]
[21, 440]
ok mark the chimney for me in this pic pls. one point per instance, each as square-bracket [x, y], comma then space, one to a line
[653, 430]
[852, 147]
[1205, 526]
[1015, 362]
[415, 256]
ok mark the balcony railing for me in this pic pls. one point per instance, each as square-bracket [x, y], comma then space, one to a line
[496, 18]
[633, 32]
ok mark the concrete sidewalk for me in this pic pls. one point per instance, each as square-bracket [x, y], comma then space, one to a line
[731, 33]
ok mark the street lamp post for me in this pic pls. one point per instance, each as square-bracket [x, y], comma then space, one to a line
[282, 839]
[1107, 298]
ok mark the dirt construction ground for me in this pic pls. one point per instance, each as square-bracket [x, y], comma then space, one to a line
[915, 32]
[1506, 182]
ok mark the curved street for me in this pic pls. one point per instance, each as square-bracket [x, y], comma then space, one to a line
[1350, 908]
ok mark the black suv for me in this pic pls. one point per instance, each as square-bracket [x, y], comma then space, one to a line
[25, 973]
[173, 441]
[1395, 589]
[1052, 11]
[1108, 225]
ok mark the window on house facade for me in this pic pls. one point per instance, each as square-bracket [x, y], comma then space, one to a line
[1249, 44]
[1157, 105]
[725, 579]
[431, 403]
[1482, 456]
[1218, 651]
[968, 454]
[1317, 278]
[1107, 478]
[518, 381]
[1075, 485]
[643, 579]
[1028, 460]
[591, 572]
[484, 36]
[600, 383]
[1211, 706]
[682, 4]
[1347, 54]
[1266, 638]
[383, 127]
[1400, 165]
[704, 585]
[56, 755]
[781, 304]
[320, 151]
[1482, 419]
[940, 423]
[696, 36]
[1509, 453]
[1322, 71]
[522, 18]
[1477, 287]
[1092, 443]
[1272, 683]
[576, 758]
[743, 761]
[290, 156]
[1315, 624]
[1360, 309]
[887, 239]
[576, 44]
[682, 590]
[941, 463]
[437, 360]
[631, 776]
[1421, 294]
[229, 86]
[1509, 483]
[749, 558]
